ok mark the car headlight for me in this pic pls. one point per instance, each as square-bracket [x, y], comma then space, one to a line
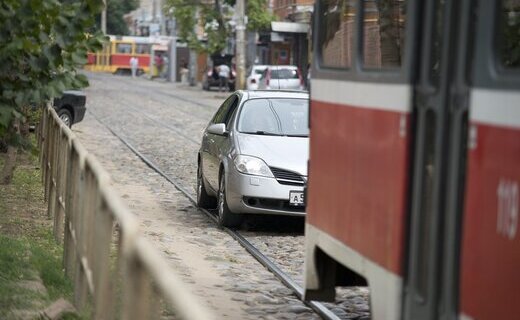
[252, 165]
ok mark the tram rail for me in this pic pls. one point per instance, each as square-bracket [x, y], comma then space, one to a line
[317, 307]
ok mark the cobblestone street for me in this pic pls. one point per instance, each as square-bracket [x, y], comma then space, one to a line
[164, 122]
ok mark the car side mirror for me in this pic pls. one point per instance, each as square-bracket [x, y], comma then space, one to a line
[218, 129]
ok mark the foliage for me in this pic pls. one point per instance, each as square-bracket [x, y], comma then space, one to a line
[42, 44]
[259, 19]
[116, 9]
[209, 16]
[214, 18]
[27, 246]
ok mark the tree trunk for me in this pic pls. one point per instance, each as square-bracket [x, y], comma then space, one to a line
[6, 176]
[10, 164]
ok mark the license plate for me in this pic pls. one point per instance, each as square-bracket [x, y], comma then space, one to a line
[296, 198]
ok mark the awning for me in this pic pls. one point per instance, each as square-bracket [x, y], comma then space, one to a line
[159, 47]
[289, 27]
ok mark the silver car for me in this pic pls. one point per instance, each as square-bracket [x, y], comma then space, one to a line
[282, 78]
[253, 157]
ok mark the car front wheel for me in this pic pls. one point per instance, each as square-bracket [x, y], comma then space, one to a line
[226, 218]
[65, 116]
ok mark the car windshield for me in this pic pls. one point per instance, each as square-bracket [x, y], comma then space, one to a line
[284, 74]
[277, 117]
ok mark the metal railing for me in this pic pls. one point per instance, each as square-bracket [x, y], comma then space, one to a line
[116, 272]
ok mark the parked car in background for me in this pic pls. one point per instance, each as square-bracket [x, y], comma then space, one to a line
[70, 107]
[210, 77]
[254, 74]
[281, 77]
[253, 156]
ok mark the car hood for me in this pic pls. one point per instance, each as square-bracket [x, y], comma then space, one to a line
[290, 153]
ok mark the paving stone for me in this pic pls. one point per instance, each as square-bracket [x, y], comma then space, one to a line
[298, 309]
[136, 110]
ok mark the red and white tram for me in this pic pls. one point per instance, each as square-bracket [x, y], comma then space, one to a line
[414, 169]
[116, 54]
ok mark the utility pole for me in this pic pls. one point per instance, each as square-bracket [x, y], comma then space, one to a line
[104, 18]
[193, 57]
[162, 19]
[241, 44]
[172, 61]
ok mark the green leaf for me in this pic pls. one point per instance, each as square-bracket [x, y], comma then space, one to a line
[6, 115]
[79, 58]
[41, 44]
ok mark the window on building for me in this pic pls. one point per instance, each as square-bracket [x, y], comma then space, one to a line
[336, 32]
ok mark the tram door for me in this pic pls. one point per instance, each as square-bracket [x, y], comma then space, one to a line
[437, 188]
[455, 254]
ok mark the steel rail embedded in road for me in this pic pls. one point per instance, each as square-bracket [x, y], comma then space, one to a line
[318, 307]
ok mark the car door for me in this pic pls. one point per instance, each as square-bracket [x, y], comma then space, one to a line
[217, 143]
[208, 143]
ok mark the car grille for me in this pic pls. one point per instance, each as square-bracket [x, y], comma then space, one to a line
[272, 204]
[287, 177]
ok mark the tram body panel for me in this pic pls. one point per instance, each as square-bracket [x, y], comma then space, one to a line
[144, 61]
[358, 195]
[358, 179]
[121, 61]
[491, 239]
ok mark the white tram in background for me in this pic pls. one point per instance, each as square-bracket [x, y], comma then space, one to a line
[414, 170]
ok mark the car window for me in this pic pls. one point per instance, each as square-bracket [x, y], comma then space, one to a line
[275, 117]
[231, 112]
[220, 116]
[259, 71]
[284, 74]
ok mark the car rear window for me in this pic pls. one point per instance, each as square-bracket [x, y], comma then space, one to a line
[279, 117]
[284, 74]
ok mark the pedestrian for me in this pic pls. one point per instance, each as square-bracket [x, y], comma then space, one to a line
[308, 80]
[223, 74]
[184, 71]
[134, 64]
[165, 67]
[158, 64]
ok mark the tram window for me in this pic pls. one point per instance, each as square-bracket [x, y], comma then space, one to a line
[510, 34]
[336, 32]
[383, 33]
[142, 48]
[124, 48]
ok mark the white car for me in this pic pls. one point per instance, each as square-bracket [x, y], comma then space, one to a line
[253, 76]
[281, 78]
